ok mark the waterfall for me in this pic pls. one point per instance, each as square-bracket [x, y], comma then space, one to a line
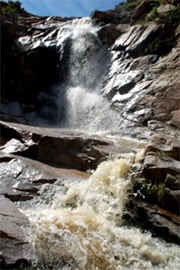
[83, 228]
[80, 227]
[87, 65]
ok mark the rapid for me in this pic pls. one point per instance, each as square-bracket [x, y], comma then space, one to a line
[81, 227]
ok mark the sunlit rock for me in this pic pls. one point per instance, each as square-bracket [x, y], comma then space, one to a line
[15, 250]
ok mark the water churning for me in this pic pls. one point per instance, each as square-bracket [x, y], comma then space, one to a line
[83, 228]
[87, 64]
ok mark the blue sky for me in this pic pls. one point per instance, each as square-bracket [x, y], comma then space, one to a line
[67, 8]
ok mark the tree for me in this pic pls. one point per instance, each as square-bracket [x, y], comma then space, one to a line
[11, 9]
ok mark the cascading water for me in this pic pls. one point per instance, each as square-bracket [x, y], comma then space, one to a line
[82, 228]
[87, 65]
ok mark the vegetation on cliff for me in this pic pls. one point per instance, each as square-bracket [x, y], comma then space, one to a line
[11, 9]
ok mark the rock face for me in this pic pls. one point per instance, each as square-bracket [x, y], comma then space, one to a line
[141, 77]
[162, 170]
[25, 73]
[15, 250]
[33, 159]
[22, 178]
[161, 223]
[155, 203]
[54, 147]
[141, 46]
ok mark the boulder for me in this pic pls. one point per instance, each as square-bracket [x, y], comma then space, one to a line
[56, 147]
[15, 249]
[164, 9]
[142, 9]
[161, 169]
[157, 168]
[110, 17]
[160, 222]
[175, 120]
[23, 178]
[150, 38]
[172, 182]
[108, 34]
[164, 145]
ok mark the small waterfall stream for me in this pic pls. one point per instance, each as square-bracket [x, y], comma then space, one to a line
[82, 228]
[79, 98]
[86, 108]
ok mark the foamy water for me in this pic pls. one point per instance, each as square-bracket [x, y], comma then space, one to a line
[87, 62]
[83, 228]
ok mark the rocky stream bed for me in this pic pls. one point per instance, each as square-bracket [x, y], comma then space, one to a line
[41, 148]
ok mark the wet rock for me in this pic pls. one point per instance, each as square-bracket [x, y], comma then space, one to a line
[39, 71]
[15, 250]
[22, 178]
[124, 83]
[108, 34]
[157, 168]
[25, 73]
[58, 148]
[127, 38]
[172, 182]
[161, 223]
[171, 199]
[162, 171]
[164, 145]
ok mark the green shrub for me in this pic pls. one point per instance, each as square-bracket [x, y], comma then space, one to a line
[173, 16]
[157, 190]
[157, 46]
[160, 154]
[127, 5]
[132, 4]
[154, 14]
[141, 21]
[12, 9]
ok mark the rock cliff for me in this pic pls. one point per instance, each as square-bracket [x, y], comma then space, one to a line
[141, 48]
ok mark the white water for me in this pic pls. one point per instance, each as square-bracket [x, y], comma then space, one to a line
[88, 63]
[83, 229]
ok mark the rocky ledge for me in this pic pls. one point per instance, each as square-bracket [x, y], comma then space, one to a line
[35, 159]
[15, 250]
[142, 74]
[155, 205]
[142, 83]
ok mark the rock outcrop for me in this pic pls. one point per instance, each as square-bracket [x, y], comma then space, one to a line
[74, 150]
[35, 159]
[162, 170]
[15, 249]
[141, 43]
[155, 203]
[141, 78]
